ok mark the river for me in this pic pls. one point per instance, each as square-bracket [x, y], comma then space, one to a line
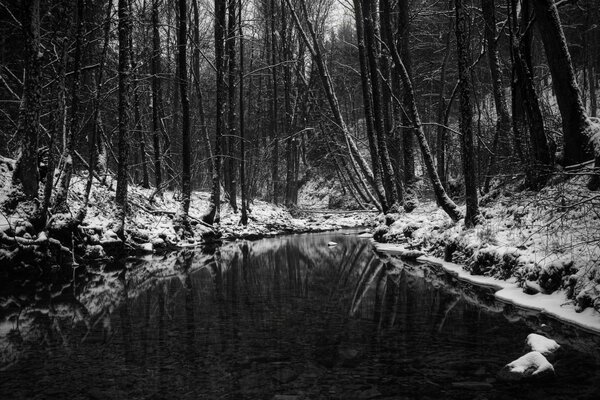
[285, 318]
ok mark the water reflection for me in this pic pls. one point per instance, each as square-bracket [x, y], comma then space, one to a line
[250, 320]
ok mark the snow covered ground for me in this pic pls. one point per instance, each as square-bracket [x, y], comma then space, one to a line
[149, 222]
[541, 250]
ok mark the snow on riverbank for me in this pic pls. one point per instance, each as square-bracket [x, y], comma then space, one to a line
[540, 250]
[149, 221]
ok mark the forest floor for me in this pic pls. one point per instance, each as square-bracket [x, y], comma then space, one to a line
[149, 222]
[545, 241]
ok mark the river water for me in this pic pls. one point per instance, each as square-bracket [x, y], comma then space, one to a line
[284, 318]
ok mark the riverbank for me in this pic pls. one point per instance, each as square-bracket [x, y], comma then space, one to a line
[541, 249]
[149, 223]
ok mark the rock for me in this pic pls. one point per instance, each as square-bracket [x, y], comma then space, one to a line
[531, 287]
[475, 386]
[332, 244]
[380, 232]
[531, 365]
[94, 251]
[541, 344]
[158, 243]
[551, 276]
[146, 247]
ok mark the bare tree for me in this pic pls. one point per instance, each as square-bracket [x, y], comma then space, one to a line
[26, 171]
[124, 115]
[213, 214]
[466, 115]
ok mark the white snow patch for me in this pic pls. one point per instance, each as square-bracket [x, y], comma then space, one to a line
[530, 365]
[541, 344]
[554, 305]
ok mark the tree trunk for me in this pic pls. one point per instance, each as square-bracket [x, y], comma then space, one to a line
[26, 171]
[94, 148]
[315, 51]
[441, 139]
[186, 173]
[213, 214]
[290, 141]
[407, 133]
[274, 109]
[156, 95]
[231, 141]
[124, 111]
[539, 157]
[199, 94]
[368, 103]
[440, 193]
[466, 115]
[576, 126]
[60, 199]
[244, 216]
[503, 118]
[373, 53]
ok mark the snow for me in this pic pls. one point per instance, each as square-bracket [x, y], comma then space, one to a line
[544, 242]
[509, 292]
[530, 365]
[149, 223]
[541, 344]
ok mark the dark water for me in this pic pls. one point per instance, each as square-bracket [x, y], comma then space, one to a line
[257, 320]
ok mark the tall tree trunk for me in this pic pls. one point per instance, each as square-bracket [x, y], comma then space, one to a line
[274, 109]
[576, 125]
[441, 139]
[213, 214]
[373, 53]
[58, 129]
[60, 199]
[244, 216]
[94, 149]
[315, 51]
[440, 193]
[540, 157]
[231, 141]
[124, 117]
[466, 115]
[199, 93]
[368, 103]
[503, 118]
[407, 133]
[290, 141]
[26, 171]
[156, 95]
[186, 173]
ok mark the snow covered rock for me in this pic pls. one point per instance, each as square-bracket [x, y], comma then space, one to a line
[332, 244]
[551, 276]
[94, 251]
[531, 365]
[541, 344]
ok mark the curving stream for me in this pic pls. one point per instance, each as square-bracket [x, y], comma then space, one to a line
[285, 318]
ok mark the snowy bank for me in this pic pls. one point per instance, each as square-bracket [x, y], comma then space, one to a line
[538, 249]
[149, 221]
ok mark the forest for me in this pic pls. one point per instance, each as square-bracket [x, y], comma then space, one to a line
[387, 98]
[299, 199]
[387, 103]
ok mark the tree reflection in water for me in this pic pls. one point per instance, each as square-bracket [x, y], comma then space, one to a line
[288, 315]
